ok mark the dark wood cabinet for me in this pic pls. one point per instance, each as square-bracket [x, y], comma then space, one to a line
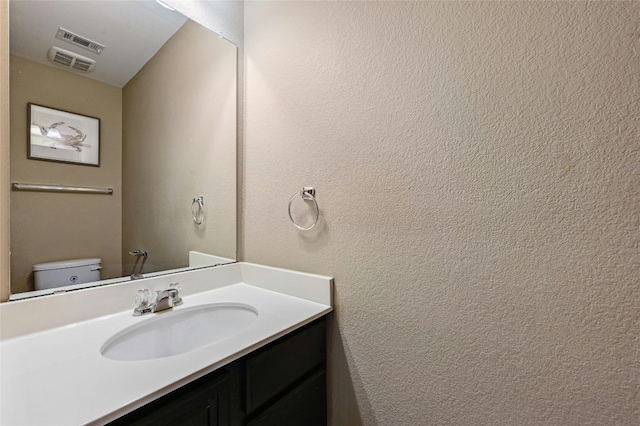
[303, 405]
[283, 383]
[206, 401]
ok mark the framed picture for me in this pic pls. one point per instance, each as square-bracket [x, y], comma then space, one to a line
[62, 136]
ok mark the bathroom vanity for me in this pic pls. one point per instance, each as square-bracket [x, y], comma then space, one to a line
[283, 383]
[272, 371]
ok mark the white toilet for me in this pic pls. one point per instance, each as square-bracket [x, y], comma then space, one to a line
[66, 272]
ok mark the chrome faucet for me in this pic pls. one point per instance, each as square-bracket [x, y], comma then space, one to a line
[165, 299]
[138, 253]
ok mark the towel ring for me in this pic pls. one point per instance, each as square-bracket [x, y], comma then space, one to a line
[308, 193]
[197, 210]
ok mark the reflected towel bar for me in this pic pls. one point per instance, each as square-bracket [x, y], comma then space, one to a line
[60, 188]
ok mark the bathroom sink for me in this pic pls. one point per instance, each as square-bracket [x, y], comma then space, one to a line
[177, 332]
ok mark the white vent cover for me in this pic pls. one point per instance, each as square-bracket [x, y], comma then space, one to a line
[79, 41]
[70, 59]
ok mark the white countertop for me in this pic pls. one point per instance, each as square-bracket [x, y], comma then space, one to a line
[57, 376]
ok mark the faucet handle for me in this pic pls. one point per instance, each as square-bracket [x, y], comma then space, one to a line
[177, 299]
[143, 301]
[143, 297]
[177, 287]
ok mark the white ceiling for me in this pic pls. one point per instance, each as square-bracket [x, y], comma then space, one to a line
[132, 32]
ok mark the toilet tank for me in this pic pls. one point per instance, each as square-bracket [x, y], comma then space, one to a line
[66, 272]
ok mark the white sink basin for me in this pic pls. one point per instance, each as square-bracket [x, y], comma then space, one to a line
[176, 332]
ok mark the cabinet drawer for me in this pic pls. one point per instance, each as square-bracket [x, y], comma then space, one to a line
[305, 405]
[283, 363]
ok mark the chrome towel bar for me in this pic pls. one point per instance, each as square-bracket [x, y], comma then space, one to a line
[60, 188]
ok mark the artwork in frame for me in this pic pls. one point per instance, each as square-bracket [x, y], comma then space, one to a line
[62, 136]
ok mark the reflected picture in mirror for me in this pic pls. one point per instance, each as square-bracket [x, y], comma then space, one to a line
[64, 136]
[164, 89]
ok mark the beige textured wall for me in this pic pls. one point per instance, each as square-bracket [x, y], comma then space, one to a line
[5, 268]
[47, 227]
[477, 167]
[196, 71]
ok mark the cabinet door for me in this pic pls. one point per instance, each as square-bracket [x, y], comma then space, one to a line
[202, 403]
[303, 406]
[278, 367]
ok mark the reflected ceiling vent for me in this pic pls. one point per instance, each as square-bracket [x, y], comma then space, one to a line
[70, 59]
[79, 41]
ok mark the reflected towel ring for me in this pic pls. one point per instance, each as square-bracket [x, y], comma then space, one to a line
[308, 193]
[198, 212]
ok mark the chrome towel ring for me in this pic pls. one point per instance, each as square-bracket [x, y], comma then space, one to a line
[308, 193]
[197, 210]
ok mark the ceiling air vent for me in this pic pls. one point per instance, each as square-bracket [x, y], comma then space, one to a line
[70, 59]
[79, 41]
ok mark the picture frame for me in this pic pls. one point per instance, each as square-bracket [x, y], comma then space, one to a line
[62, 136]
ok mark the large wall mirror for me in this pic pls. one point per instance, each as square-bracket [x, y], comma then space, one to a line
[163, 89]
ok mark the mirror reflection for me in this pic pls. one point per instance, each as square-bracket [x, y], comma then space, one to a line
[164, 91]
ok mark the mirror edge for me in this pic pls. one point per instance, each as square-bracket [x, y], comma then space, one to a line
[5, 280]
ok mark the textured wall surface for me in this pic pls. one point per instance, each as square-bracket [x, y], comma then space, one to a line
[477, 168]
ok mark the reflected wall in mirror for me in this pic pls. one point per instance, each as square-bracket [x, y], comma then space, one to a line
[164, 89]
